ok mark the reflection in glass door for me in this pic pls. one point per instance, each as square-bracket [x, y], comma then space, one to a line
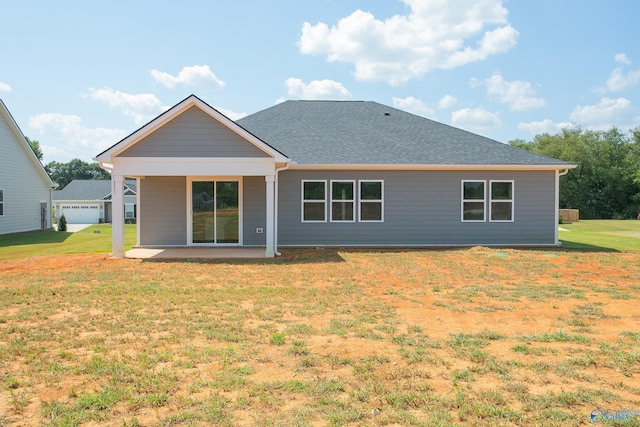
[215, 211]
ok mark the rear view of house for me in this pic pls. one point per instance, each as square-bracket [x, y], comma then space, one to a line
[328, 173]
[25, 187]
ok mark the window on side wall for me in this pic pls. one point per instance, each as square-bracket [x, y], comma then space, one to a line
[371, 201]
[501, 201]
[314, 201]
[342, 201]
[473, 201]
[1, 202]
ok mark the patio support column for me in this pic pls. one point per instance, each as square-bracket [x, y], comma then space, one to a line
[117, 215]
[270, 225]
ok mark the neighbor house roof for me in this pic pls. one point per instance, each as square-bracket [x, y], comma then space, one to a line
[89, 189]
[369, 133]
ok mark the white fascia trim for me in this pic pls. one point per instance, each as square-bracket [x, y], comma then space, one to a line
[192, 166]
[174, 112]
[428, 167]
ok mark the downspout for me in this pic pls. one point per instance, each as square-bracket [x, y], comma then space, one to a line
[559, 173]
[275, 211]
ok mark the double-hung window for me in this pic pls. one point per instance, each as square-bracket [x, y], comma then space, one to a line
[1, 202]
[473, 201]
[342, 201]
[501, 201]
[371, 207]
[314, 201]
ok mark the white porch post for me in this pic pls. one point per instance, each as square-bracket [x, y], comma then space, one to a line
[270, 225]
[117, 212]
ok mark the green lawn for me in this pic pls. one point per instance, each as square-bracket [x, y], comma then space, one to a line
[588, 235]
[93, 239]
[601, 235]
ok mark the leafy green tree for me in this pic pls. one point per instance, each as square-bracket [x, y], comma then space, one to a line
[606, 181]
[35, 146]
[64, 173]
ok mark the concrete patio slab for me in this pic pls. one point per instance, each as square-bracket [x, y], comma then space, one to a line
[201, 253]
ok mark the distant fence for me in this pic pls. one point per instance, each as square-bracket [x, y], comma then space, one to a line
[569, 215]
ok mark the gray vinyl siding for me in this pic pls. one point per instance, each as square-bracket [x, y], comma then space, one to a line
[23, 183]
[162, 214]
[423, 208]
[254, 200]
[193, 134]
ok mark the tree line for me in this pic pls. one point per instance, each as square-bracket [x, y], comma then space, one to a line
[64, 173]
[606, 182]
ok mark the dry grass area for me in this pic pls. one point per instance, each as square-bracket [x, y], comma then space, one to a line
[321, 337]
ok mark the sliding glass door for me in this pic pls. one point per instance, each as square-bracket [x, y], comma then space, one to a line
[215, 212]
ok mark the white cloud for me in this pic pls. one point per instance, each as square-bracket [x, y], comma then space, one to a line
[317, 89]
[414, 106]
[517, 93]
[141, 107]
[544, 126]
[622, 58]
[199, 76]
[447, 102]
[4, 87]
[80, 141]
[435, 34]
[608, 112]
[233, 115]
[619, 81]
[476, 119]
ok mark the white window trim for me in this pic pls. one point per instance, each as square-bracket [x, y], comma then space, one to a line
[352, 201]
[381, 201]
[2, 202]
[303, 200]
[463, 200]
[512, 201]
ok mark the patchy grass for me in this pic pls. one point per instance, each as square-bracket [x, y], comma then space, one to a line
[320, 337]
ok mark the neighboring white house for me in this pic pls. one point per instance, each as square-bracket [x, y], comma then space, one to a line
[88, 201]
[25, 187]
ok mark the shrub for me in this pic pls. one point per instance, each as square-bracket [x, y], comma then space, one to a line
[62, 223]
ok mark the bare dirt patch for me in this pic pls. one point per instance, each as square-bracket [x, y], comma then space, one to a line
[465, 337]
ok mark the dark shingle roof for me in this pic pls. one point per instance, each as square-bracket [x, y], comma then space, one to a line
[88, 189]
[365, 132]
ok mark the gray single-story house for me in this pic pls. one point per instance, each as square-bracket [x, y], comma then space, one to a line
[88, 201]
[25, 186]
[328, 173]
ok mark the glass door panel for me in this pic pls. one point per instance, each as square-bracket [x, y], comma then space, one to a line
[227, 212]
[215, 213]
[203, 216]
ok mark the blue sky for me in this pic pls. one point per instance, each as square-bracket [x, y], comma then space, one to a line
[80, 75]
